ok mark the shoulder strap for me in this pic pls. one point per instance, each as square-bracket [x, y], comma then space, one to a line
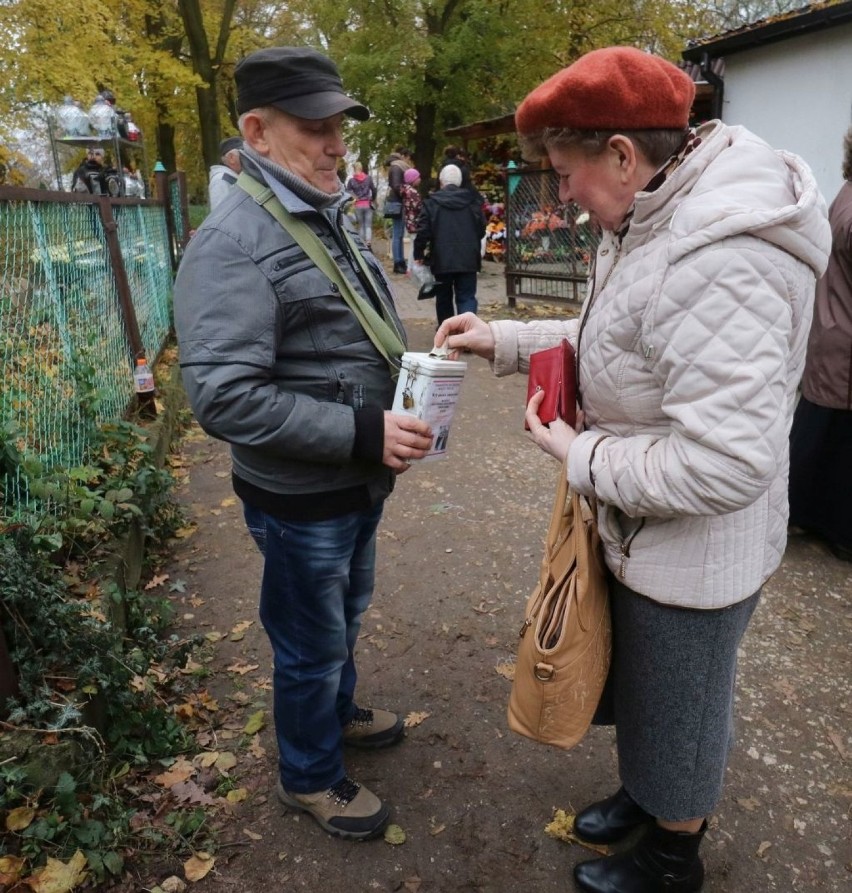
[381, 329]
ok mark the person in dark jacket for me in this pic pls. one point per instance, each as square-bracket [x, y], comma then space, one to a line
[821, 438]
[450, 229]
[277, 363]
[89, 176]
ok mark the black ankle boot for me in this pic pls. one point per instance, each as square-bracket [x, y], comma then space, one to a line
[611, 819]
[662, 861]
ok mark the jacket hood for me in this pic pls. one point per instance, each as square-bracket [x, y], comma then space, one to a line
[453, 197]
[736, 184]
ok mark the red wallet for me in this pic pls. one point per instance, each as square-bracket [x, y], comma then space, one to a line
[554, 372]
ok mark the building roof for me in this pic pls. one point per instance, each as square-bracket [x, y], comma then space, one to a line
[806, 20]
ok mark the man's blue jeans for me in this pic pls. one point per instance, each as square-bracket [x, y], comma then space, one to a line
[317, 582]
[464, 285]
[398, 239]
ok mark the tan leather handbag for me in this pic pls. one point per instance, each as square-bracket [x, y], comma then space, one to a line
[566, 640]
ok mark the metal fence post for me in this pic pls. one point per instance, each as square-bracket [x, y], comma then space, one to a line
[122, 284]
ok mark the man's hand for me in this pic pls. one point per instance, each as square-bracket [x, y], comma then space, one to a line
[465, 334]
[406, 438]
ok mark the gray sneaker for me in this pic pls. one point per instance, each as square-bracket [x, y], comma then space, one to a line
[371, 729]
[346, 809]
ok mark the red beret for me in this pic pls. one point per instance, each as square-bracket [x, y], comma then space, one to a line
[617, 88]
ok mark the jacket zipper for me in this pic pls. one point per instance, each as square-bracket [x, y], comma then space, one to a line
[624, 548]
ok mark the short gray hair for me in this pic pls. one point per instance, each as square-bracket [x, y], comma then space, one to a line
[655, 145]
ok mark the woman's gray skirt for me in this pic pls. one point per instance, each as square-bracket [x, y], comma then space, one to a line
[670, 694]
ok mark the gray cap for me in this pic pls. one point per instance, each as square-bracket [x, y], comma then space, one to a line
[297, 80]
[229, 144]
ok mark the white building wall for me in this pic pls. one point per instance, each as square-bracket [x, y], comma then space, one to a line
[797, 95]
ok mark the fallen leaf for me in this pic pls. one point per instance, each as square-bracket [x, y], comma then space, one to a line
[562, 828]
[177, 586]
[437, 829]
[198, 867]
[506, 669]
[412, 884]
[242, 668]
[415, 718]
[227, 503]
[252, 835]
[20, 818]
[180, 770]
[59, 877]
[206, 760]
[225, 761]
[394, 835]
[237, 795]
[10, 869]
[190, 792]
[764, 846]
[173, 884]
[213, 636]
[183, 533]
[255, 723]
[239, 631]
[155, 581]
[748, 803]
[256, 749]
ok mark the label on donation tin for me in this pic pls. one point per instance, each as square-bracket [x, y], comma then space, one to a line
[428, 387]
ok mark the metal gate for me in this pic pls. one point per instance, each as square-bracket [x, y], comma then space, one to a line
[549, 245]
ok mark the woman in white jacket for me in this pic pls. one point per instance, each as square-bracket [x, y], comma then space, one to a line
[689, 347]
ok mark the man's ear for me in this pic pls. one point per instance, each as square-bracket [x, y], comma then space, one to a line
[254, 128]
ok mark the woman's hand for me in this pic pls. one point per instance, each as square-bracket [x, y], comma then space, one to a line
[465, 334]
[555, 440]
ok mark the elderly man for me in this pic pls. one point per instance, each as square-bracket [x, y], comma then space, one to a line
[224, 175]
[290, 345]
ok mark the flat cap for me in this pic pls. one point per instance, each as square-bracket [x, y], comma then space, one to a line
[297, 80]
[616, 88]
[229, 144]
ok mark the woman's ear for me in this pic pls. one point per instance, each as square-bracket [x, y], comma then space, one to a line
[624, 152]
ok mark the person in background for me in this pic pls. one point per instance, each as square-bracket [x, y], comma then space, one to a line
[450, 231]
[689, 348]
[362, 187]
[399, 161]
[821, 439]
[89, 175]
[458, 156]
[412, 203]
[279, 365]
[224, 175]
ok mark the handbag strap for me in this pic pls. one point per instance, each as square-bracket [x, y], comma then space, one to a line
[381, 329]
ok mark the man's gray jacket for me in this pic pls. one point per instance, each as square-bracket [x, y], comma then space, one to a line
[273, 360]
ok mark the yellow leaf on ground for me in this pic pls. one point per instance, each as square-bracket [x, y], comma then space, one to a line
[20, 818]
[227, 503]
[207, 759]
[198, 866]
[237, 795]
[225, 761]
[10, 869]
[59, 877]
[562, 828]
[415, 718]
[394, 835]
[255, 723]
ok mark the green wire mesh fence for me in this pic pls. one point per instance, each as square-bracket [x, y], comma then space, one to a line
[67, 357]
[549, 245]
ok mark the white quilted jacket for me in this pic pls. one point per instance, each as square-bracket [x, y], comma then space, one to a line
[690, 356]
